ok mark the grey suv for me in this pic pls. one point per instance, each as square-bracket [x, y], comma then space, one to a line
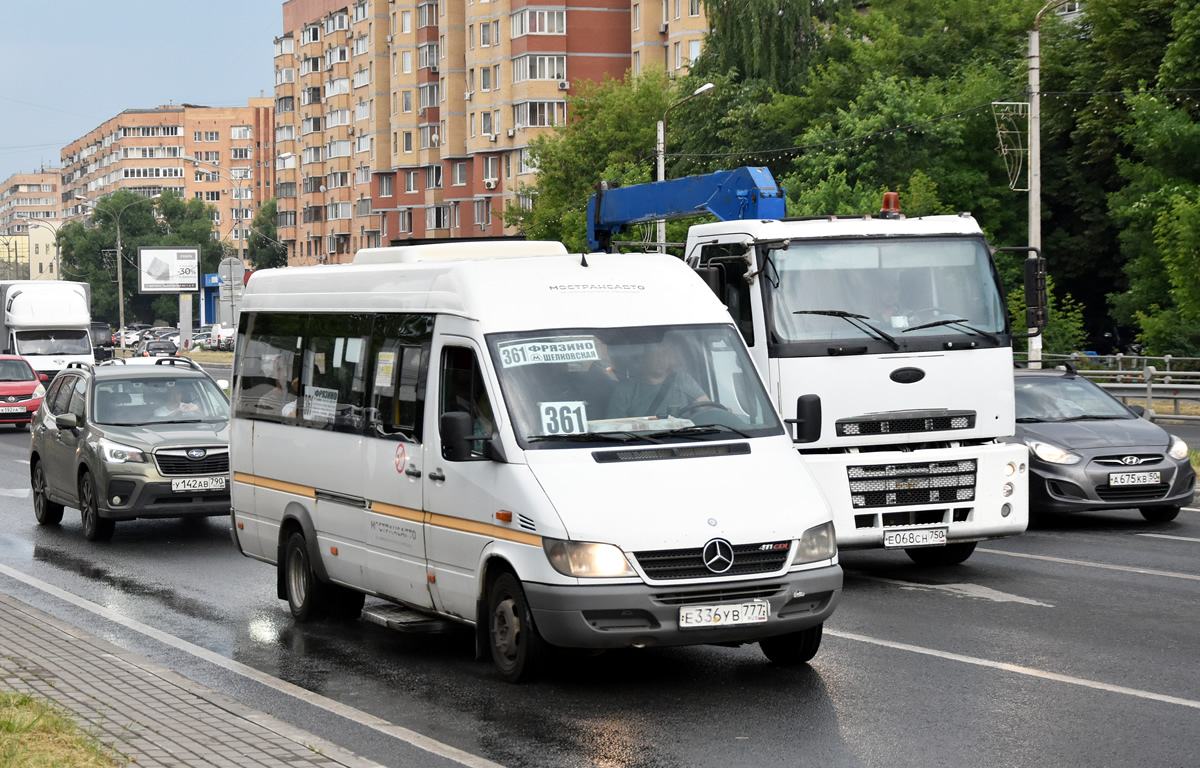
[121, 442]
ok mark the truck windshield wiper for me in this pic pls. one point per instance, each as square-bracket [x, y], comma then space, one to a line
[1091, 417]
[858, 321]
[702, 429]
[958, 324]
[591, 437]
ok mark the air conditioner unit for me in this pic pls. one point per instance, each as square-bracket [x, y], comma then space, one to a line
[350, 131]
[349, 35]
[563, 85]
[420, 111]
[489, 184]
[433, 68]
[662, 29]
[493, 137]
[511, 133]
[389, 39]
[468, 95]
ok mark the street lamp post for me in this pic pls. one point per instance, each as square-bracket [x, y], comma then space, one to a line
[661, 148]
[120, 256]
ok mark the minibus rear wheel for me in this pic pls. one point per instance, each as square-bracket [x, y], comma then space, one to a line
[794, 647]
[306, 594]
[517, 648]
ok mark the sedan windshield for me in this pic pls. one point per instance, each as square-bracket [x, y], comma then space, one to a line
[1064, 398]
[157, 400]
[567, 387]
[842, 291]
[53, 342]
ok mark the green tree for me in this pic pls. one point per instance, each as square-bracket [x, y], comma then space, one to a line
[264, 249]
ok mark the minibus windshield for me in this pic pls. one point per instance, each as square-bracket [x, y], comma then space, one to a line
[571, 387]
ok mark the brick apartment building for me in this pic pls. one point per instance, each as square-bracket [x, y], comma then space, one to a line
[30, 215]
[146, 150]
[397, 120]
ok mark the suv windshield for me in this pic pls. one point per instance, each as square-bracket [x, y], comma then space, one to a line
[1063, 398]
[657, 383]
[53, 342]
[158, 400]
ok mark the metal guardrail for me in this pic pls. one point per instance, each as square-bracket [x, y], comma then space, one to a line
[1142, 378]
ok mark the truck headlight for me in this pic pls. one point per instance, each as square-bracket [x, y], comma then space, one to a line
[586, 560]
[115, 453]
[1052, 453]
[1178, 449]
[817, 543]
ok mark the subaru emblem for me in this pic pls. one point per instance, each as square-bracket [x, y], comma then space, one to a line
[197, 453]
[718, 555]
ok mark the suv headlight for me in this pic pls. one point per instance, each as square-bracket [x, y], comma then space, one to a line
[115, 453]
[1178, 449]
[1052, 453]
[817, 543]
[586, 560]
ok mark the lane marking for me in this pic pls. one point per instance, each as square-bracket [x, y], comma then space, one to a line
[1166, 536]
[21, 461]
[959, 590]
[1106, 566]
[317, 700]
[1017, 668]
[1190, 509]
[15, 493]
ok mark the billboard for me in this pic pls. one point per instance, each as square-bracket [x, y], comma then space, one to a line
[168, 269]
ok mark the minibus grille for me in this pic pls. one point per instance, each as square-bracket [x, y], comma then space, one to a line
[731, 594]
[748, 559]
[671, 452]
[175, 461]
[905, 423]
[897, 485]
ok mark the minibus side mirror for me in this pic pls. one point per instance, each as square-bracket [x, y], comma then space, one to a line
[808, 419]
[457, 431]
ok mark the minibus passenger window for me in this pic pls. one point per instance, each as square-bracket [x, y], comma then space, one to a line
[398, 368]
[269, 367]
[333, 376]
[463, 390]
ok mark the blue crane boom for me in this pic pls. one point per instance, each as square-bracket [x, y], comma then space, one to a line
[743, 193]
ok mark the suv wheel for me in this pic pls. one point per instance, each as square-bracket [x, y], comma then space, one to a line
[95, 528]
[47, 512]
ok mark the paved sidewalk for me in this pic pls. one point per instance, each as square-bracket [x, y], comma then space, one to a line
[149, 714]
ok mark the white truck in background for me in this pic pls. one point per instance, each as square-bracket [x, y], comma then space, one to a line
[47, 322]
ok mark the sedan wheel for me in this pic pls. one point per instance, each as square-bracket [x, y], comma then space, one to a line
[1160, 514]
[95, 528]
[47, 512]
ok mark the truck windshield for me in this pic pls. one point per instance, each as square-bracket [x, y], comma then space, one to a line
[908, 289]
[654, 384]
[53, 342]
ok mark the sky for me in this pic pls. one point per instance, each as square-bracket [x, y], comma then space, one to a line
[69, 65]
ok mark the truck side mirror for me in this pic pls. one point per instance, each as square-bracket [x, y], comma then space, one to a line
[808, 419]
[1035, 292]
[457, 430]
[714, 277]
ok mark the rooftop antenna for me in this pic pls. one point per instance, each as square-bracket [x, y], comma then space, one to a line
[583, 260]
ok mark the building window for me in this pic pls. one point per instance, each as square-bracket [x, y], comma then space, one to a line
[385, 186]
[539, 68]
[485, 79]
[240, 153]
[433, 177]
[437, 217]
[406, 101]
[530, 22]
[491, 168]
[240, 133]
[486, 123]
[410, 181]
[485, 35]
[693, 52]
[408, 142]
[678, 56]
[693, 7]
[458, 174]
[406, 62]
[405, 22]
[637, 15]
[539, 113]
[637, 62]
[525, 162]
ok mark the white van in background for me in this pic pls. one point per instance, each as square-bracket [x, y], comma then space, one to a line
[553, 449]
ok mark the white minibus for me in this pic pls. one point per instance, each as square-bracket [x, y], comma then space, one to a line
[555, 450]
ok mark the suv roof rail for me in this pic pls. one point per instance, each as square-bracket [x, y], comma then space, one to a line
[78, 364]
[176, 360]
[113, 361]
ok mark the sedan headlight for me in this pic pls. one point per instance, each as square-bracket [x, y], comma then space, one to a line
[586, 560]
[115, 453]
[39, 392]
[1052, 453]
[817, 543]
[1178, 449]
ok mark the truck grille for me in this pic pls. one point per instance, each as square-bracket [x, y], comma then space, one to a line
[748, 559]
[902, 423]
[175, 461]
[896, 485]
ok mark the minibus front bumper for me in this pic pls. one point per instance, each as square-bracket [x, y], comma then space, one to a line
[640, 615]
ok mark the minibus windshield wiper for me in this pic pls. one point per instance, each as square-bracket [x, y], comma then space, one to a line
[858, 321]
[958, 324]
[175, 421]
[702, 429]
[592, 437]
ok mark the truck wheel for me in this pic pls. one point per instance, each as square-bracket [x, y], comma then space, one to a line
[951, 554]
[1160, 514]
[517, 648]
[306, 594]
[47, 512]
[95, 528]
[793, 648]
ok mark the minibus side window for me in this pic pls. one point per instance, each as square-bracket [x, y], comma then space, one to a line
[463, 390]
[333, 376]
[399, 368]
[269, 367]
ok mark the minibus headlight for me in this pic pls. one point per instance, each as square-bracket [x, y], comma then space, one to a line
[817, 543]
[586, 560]
[115, 453]
[1178, 449]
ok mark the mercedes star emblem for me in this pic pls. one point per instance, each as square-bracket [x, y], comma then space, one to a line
[718, 555]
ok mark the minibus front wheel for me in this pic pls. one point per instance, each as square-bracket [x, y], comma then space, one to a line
[517, 648]
[793, 648]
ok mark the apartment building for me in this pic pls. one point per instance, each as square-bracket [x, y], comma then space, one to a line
[221, 155]
[29, 219]
[399, 120]
[666, 33]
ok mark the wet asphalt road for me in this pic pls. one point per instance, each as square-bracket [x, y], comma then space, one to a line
[1046, 660]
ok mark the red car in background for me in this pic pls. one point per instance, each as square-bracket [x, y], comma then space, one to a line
[21, 391]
